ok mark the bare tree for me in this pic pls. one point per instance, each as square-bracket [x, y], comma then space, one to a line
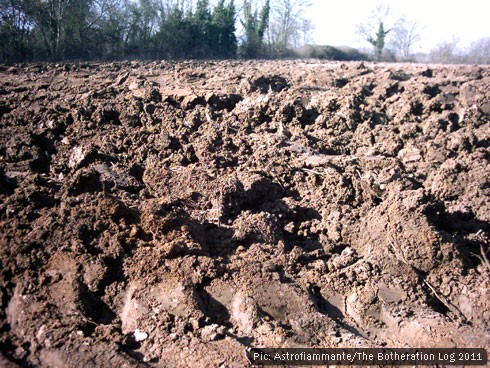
[49, 16]
[445, 52]
[288, 28]
[255, 24]
[479, 52]
[307, 29]
[404, 36]
[143, 23]
[14, 30]
[374, 29]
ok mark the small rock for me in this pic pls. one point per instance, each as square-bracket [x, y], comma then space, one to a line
[41, 333]
[195, 324]
[408, 155]
[133, 232]
[346, 258]
[81, 156]
[135, 85]
[212, 332]
[140, 335]
[77, 156]
[137, 89]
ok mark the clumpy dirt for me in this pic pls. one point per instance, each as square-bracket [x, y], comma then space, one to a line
[161, 214]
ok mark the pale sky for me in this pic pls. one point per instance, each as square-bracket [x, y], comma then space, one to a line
[466, 21]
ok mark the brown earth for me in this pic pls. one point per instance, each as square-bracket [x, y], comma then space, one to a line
[165, 214]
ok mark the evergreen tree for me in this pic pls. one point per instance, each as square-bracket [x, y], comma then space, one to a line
[255, 25]
[88, 29]
[379, 41]
[174, 38]
[223, 39]
[201, 29]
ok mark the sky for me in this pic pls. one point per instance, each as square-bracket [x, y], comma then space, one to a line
[464, 21]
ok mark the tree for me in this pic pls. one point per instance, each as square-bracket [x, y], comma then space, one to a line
[479, 52]
[223, 29]
[404, 36]
[444, 52]
[61, 28]
[67, 29]
[76, 38]
[201, 29]
[50, 19]
[174, 38]
[379, 41]
[287, 27]
[376, 23]
[110, 25]
[15, 28]
[142, 27]
[255, 25]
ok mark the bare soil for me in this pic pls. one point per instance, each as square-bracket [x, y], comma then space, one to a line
[161, 214]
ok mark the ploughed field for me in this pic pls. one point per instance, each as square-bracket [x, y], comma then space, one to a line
[162, 214]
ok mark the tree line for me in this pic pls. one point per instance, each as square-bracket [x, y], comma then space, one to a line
[108, 29]
[112, 29]
[120, 29]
